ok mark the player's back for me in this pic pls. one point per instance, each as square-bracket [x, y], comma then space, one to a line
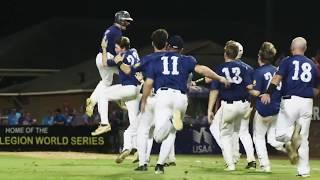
[261, 81]
[171, 70]
[299, 76]
[235, 73]
[143, 64]
[249, 68]
[112, 34]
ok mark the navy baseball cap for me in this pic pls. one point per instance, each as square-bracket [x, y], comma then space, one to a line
[176, 42]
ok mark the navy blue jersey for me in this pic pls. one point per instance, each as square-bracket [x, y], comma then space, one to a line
[131, 58]
[171, 70]
[235, 73]
[249, 68]
[261, 81]
[144, 62]
[249, 71]
[299, 76]
[112, 34]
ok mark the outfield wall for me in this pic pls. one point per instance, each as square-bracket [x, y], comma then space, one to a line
[191, 140]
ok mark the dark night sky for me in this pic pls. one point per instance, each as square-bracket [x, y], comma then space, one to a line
[287, 18]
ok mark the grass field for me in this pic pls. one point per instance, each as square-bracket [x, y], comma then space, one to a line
[70, 165]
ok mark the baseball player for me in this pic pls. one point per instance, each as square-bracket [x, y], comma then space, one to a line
[175, 44]
[168, 75]
[298, 75]
[234, 103]
[113, 33]
[266, 115]
[127, 90]
[146, 120]
[244, 134]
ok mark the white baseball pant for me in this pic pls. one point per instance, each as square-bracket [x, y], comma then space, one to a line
[106, 74]
[261, 127]
[245, 138]
[230, 122]
[167, 101]
[296, 110]
[145, 134]
[244, 135]
[144, 128]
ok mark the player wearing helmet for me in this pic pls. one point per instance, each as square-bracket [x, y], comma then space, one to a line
[112, 34]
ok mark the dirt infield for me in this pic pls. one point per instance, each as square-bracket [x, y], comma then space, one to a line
[62, 155]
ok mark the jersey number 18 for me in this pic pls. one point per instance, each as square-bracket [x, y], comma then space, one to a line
[306, 75]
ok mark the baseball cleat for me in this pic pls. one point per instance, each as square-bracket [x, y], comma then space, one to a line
[265, 169]
[142, 168]
[89, 107]
[296, 137]
[122, 105]
[159, 169]
[251, 165]
[122, 156]
[177, 121]
[230, 168]
[170, 164]
[303, 175]
[293, 155]
[135, 157]
[101, 129]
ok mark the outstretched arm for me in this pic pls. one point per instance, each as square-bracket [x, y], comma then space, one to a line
[207, 72]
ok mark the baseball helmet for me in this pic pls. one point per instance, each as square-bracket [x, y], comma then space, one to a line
[122, 16]
[240, 53]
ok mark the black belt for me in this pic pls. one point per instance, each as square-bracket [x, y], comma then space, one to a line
[289, 97]
[286, 97]
[232, 101]
[166, 88]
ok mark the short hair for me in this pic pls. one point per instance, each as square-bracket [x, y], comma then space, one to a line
[267, 52]
[231, 50]
[240, 47]
[159, 38]
[123, 42]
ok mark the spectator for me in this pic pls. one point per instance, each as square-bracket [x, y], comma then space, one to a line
[48, 119]
[80, 118]
[316, 60]
[13, 117]
[26, 119]
[59, 118]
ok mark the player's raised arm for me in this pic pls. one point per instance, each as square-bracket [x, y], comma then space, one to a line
[104, 45]
[207, 72]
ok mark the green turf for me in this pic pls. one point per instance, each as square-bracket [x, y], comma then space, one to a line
[188, 167]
